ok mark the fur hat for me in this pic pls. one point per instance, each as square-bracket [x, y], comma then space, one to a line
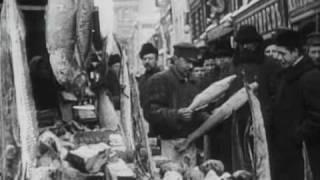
[148, 48]
[288, 38]
[247, 34]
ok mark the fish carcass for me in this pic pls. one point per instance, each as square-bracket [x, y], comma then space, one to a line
[13, 27]
[108, 116]
[83, 28]
[61, 39]
[125, 104]
[260, 145]
[8, 112]
[214, 91]
[223, 112]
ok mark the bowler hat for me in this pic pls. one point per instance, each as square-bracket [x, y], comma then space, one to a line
[186, 50]
[148, 48]
[247, 34]
[313, 39]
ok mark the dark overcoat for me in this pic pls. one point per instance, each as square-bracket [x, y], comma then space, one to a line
[166, 92]
[296, 116]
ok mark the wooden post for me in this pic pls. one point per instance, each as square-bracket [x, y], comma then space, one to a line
[206, 146]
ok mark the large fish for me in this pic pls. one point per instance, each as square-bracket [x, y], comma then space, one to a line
[213, 92]
[105, 8]
[236, 101]
[8, 112]
[12, 24]
[108, 116]
[83, 27]
[61, 39]
[260, 145]
[145, 165]
[125, 104]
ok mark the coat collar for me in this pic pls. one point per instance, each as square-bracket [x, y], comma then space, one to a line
[294, 72]
[179, 75]
[152, 71]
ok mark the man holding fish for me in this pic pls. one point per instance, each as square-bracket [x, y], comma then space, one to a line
[168, 95]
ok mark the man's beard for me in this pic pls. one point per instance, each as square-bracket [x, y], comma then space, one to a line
[248, 56]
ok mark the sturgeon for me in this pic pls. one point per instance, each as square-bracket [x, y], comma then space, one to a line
[125, 104]
[236, 101]
[8, 112]
[83, 27]
[12, 26]
[260, 145]
[211, 93]
[108, 116]
[61, 39]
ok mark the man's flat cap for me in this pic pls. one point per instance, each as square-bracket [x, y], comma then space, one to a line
[186, 50]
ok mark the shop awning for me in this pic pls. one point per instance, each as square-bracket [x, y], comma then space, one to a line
[219, 31]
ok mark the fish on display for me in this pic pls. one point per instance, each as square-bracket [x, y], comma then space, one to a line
[125, 104]
[213, 92]
[61, 39]
[260, 145]
[83, 28]
[8, 113]
[13, 27]
[108, 116]
[236, 101]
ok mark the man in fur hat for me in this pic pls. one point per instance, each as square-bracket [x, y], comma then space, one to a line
[296, 110]
[149, 57]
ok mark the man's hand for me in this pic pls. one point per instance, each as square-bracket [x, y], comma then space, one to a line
[185, 114]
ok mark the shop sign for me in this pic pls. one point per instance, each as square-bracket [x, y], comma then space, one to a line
[265, 20]
[296, 4]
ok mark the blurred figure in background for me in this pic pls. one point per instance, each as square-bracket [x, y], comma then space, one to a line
[223, 58]
[112, 83]
[115, 64]
[313, 47]
[149, 57]
[209, 63]
[270, 49]
[198, 71]
[44, 84]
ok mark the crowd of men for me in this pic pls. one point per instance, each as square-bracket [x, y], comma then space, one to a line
[287, 70]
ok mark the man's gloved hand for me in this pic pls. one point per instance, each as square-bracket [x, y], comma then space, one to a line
[185, 114]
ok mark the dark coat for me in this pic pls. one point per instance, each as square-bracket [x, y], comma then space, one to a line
[167, 92]
[230, 139]
[113, 87]
[296, 115]
[142, 81]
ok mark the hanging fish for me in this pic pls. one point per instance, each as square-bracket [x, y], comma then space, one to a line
[61, 39]
[260, 146]
[8, 111]
[108, 116]
[125, 104]
[12, 26]
[83, 27]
